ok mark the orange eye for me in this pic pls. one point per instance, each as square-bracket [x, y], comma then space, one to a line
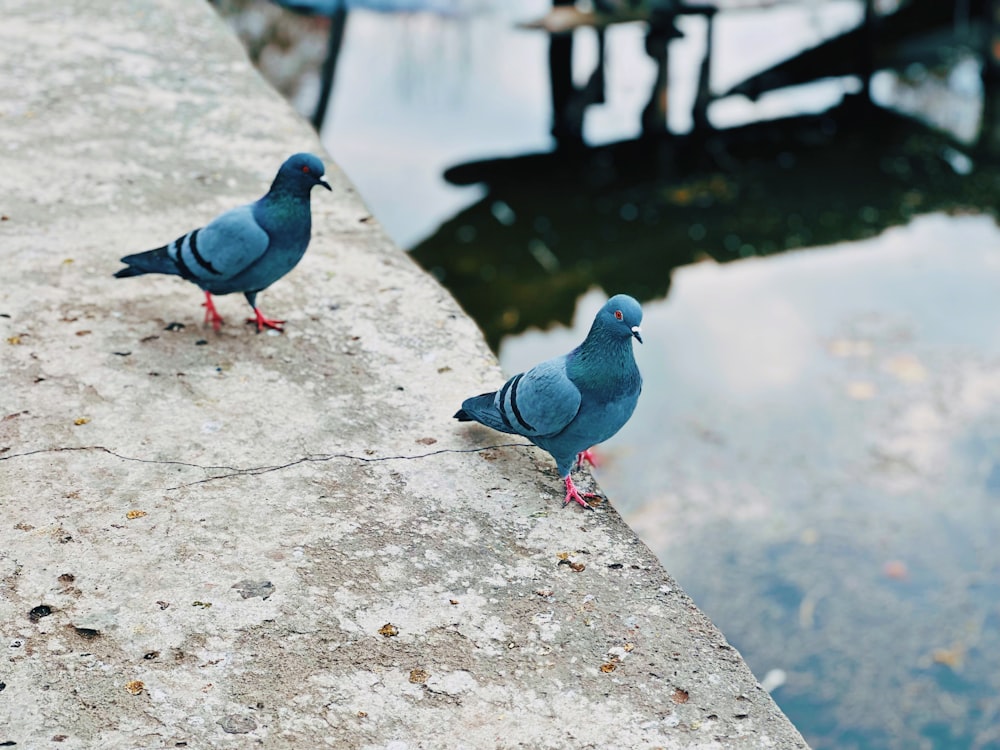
[305, 169]
[618, 314]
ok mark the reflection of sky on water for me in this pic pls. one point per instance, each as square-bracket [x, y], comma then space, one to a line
[816, 457]
[415, 94]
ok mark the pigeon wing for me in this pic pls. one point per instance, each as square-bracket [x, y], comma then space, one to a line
[224, 247]
[540, 402]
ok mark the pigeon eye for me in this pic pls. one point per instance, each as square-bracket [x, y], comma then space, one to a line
[305, 169]
[618, 315]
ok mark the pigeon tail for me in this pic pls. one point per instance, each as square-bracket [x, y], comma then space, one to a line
[150, 261]
[482, 409]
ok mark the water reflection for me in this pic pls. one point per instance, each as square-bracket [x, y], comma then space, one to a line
[623, 216]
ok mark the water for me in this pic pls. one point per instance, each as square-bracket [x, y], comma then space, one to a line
[816, 454]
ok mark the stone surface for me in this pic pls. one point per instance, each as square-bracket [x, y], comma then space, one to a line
[274, 540]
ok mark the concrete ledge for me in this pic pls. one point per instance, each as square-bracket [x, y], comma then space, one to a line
[224, 540]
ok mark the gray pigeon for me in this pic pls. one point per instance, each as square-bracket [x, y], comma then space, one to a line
[567, 404]
[246, 249]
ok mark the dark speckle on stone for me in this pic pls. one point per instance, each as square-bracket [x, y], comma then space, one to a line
[121, 354]
[2, 686]
[42, 610]
[234, 724]
[250, 589]
[616, 566]
[200, 342]
[88, 634]
[174, 327]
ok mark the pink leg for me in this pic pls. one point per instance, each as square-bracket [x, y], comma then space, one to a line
[589, 456]
[211, 314]
[263, 322]
[573, 494]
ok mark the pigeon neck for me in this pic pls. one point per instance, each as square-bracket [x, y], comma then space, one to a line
[604, 361]
[286, 206]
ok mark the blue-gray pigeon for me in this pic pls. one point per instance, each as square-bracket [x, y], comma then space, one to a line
[246, 249]
[569, 403]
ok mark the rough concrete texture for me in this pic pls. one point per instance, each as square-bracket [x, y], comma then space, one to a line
[225, 540]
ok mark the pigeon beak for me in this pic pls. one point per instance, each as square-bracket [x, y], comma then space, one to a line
[324, 183]
[636, 331]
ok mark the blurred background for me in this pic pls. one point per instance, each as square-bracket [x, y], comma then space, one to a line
[802, 194]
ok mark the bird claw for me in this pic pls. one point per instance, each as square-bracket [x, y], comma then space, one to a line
[572, 493]
[263, 322]
[589, 456]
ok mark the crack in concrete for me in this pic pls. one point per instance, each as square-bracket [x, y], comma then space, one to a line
[234, 471]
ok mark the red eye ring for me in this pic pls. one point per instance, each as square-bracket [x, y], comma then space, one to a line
[305, 169]
[618, 315]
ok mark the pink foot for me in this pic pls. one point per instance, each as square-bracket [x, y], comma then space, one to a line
[211, 314]
[589, 456]
[263, 322]
[573, 494]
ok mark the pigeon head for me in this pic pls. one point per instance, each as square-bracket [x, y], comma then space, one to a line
[301, 172]
[620, 316]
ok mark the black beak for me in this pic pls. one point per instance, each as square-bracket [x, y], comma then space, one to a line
[635, 333]
[324, 183]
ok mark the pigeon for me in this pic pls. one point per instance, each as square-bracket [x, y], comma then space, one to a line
[567, 404]
[246, 249]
